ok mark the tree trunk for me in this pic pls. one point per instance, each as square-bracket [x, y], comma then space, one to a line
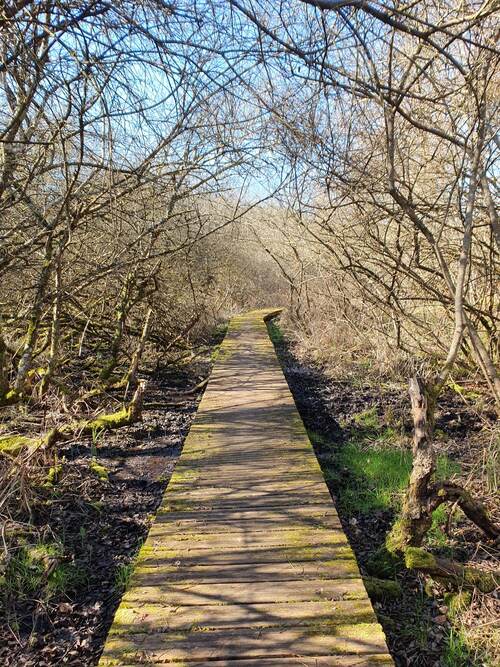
[416, 519]
[131, 376]
[121, 313]
[423, 495]
[34, 320]
[4, 377]
[55, 333]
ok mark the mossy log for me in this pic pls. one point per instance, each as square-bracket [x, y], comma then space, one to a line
[382, 589]
[455, 574]
[13, 445]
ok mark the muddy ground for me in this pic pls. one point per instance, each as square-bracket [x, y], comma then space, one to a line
[102, 525]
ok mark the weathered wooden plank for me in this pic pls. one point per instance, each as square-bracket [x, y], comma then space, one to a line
[248, 538]
[303, 661]
[184, 503]
[181, 530]
[213, 476]
[173, 570]
[249, 490]
[149, 617]
[156, 555]
[148, 588]
[356, 638]
[312, 515]
[260, 521]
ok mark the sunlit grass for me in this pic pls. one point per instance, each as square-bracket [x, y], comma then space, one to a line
[372, 471]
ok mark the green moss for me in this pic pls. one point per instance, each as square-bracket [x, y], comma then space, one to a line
[382, 589]
[53, 475]
[486, 582]
[419, 558]
[98, 470]
[395, 542]
[457, 602]
[10, 397]
[11, 445]
[106, 422]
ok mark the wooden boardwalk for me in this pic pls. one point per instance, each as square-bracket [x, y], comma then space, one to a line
[246, 563]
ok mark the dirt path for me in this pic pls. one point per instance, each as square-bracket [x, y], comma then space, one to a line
[246, 563]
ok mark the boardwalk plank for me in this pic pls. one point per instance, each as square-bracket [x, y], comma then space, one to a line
[303, 661]
[250, 539]
[149, 589]
[235, 521]
[357, 638]
[149, 617]
[179, 571]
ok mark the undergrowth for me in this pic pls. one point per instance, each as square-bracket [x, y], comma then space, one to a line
[39, 569]
[371, 468]
[368, 470]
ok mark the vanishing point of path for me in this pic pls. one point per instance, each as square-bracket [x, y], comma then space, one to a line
[246, 562]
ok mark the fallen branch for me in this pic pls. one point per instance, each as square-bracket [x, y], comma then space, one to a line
[449, 492]
[193, 390]
[13, 445]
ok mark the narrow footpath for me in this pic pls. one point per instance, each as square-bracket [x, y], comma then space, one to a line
[246, 563]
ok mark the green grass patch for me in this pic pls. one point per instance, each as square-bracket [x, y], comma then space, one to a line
[457, 653]
[379, 476]
[275, 333]
[436, 535]
[123, 574]
[371, 470]
[125, 570]
[34, 571]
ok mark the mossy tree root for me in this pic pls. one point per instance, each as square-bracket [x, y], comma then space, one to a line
[382, 589]
[124, 417]
[451, 573]
[449, 492]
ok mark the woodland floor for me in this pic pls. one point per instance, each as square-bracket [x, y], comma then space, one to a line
[417, 630]
[104, 522]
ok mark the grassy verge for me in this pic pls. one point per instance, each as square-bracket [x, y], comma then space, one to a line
[372, 468]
